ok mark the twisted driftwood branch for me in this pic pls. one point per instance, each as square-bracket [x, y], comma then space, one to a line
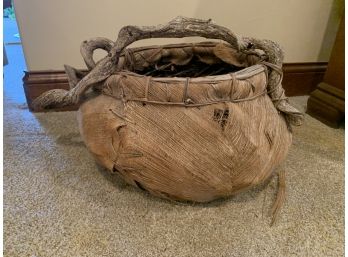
[88, 46]
[74, 75]
[177, 28]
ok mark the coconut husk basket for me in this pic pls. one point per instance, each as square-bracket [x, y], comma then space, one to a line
[191, 122]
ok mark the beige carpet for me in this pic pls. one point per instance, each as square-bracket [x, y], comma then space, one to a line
[58, 202]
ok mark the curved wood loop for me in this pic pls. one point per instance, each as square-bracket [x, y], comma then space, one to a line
[88, 47]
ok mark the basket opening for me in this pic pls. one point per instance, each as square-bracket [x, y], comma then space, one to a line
[195, 68]
[208, 59]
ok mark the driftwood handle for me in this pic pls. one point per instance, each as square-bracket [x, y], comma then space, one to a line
[177, 28]
[188, 27]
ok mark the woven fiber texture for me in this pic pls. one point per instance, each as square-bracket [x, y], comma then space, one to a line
[186, 153]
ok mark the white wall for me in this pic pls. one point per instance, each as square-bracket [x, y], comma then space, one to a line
[52, 30]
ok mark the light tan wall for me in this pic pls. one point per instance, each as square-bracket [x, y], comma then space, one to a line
[52, 30]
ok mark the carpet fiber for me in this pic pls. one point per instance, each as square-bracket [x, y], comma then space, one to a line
[59, 202]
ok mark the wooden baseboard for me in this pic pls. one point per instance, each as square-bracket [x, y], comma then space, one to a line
[302, 78]
[37, 82]
[299, 79]
[326, 104]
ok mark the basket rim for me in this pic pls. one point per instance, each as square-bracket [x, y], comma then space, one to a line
[244, 73]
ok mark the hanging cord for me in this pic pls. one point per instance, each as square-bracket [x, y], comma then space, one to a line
[280, 198]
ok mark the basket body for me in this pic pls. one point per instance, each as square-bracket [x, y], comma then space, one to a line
[194, 139]
[189, 122]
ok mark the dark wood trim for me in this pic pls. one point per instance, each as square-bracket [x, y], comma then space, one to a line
[326, 102]
[37, 82]
[299, 79]
[302, 78]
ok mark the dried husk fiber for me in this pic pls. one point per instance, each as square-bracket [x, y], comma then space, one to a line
[184, 135]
